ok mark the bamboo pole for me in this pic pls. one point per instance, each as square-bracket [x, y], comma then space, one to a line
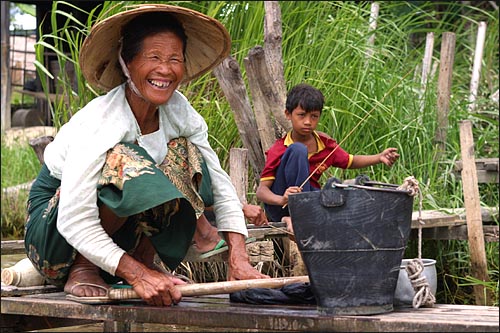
[476, 69]
[426, 67]
[444, 90]
[4, 58]
[214, 288]
[473, 213]
[374, 10]
[427, 60]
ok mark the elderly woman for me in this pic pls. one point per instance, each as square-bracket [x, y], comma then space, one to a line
[129, 175]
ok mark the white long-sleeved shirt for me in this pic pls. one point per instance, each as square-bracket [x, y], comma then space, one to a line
[78, 152]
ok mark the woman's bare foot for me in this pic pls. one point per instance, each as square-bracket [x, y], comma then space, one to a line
[206, 236]
[84, 279]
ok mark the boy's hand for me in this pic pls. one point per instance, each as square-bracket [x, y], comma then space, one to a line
[290, 190]
[389, 156]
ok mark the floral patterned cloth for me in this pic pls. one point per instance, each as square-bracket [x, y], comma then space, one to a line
[162, 202]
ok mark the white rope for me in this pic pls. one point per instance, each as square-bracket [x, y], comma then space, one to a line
[423, 295]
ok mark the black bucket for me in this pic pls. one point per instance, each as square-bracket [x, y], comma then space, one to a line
[352, 239]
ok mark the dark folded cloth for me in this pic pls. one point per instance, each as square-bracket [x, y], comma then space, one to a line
[294, 293]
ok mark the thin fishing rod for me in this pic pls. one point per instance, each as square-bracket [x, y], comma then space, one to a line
[351, 131]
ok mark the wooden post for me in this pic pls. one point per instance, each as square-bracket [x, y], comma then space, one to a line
[444, 90]
[5, 67]
[238, 171]
[473, 213]
[274, 62]
[258, 80]
[476, 70]
[231, 81]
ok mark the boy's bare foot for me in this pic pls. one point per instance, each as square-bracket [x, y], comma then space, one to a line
[289, 227]
[288, 221]
[84, 279]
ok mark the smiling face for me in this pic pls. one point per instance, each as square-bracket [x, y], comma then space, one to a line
[159, 67]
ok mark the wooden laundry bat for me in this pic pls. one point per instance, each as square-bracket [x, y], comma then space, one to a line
[213, 288]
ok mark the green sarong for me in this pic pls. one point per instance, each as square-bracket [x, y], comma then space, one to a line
[162, 202]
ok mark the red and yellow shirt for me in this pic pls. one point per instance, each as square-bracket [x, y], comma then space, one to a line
[339, 158]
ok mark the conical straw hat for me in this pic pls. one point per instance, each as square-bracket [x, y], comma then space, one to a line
[208, 43]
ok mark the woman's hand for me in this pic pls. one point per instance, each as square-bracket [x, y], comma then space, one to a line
[255, 214]
[239, 267]
[154, 287]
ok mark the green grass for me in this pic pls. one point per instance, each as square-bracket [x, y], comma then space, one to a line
[19, 165]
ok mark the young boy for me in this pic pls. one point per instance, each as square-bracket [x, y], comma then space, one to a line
[291, 159]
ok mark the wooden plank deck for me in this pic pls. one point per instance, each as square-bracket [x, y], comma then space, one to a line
[218, 311]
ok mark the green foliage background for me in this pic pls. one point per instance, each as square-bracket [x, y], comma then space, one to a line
[325, 44]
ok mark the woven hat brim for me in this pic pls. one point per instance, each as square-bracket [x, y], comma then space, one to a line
[208, 43]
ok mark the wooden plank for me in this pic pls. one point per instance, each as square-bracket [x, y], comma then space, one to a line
[479, 266]
[22, 291]
[434, 218]
[26, 323]
[198, 311]
[486, 168]
[488, 214]
[13, 247]
[17, 246]
[459, 232]
[488, 164]
[486, 177]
